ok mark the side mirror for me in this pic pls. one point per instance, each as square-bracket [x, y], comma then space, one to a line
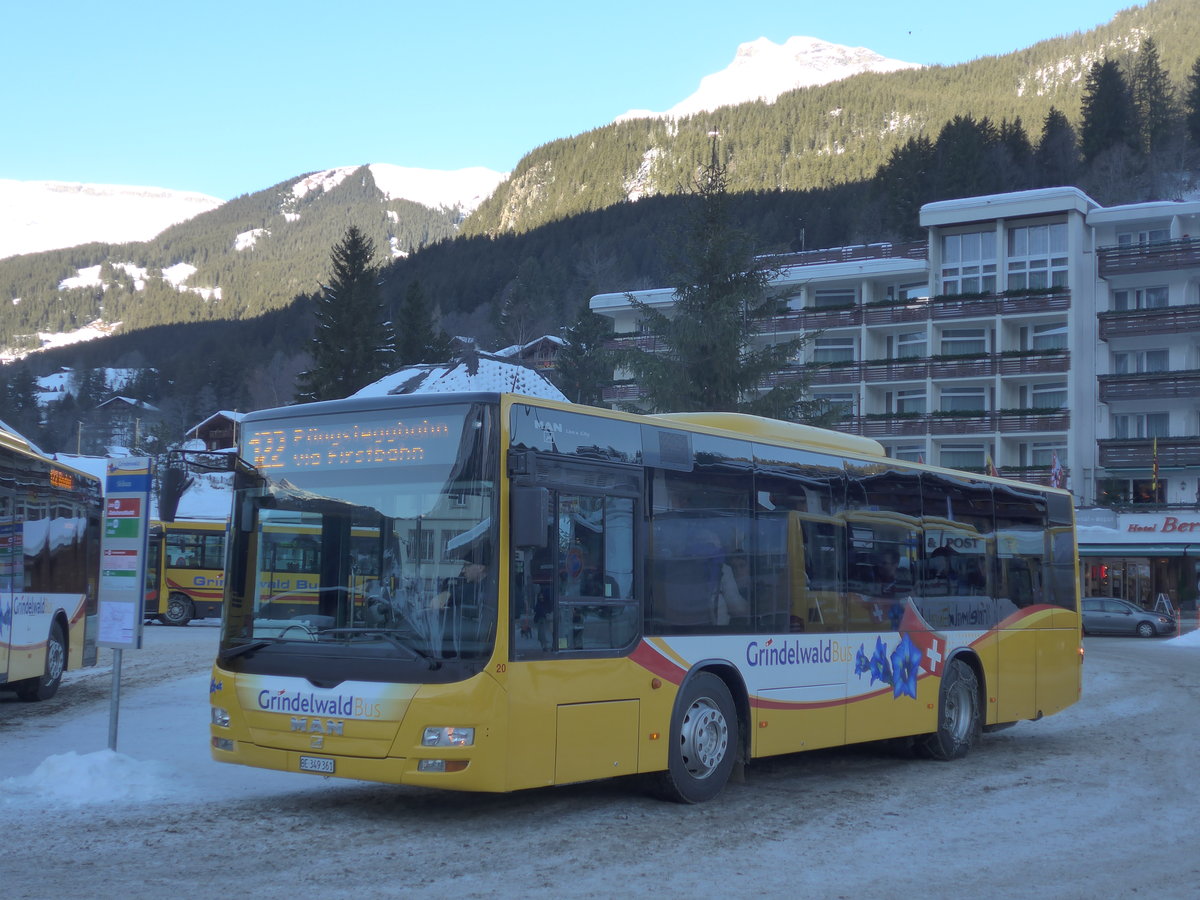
[530, 510]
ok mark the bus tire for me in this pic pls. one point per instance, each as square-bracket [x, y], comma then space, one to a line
[180, 610]
[959, 718]
[56, 663]
[704, 741]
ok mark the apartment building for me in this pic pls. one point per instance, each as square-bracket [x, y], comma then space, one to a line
[1035, 331]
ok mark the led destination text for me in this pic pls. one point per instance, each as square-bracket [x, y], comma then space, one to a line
[305, 448]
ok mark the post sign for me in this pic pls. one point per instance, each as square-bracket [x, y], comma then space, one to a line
[123, 550]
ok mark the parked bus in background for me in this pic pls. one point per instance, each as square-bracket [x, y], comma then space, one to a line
[567, 593]
[50, 517]
[185, 571]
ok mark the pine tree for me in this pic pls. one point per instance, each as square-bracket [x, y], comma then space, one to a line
[1109, 119]
[18, 400]
[1192, 103]
[1153, 99]
[354, 343]
[1057, 155]
[418, 339]
[707, 360]
[584, 366]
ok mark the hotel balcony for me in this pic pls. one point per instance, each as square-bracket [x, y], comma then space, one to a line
[1004, 421]
[1137, 322]
[907, 312]
[1138, 453]
[1158, 257]
[885, 371]
[1150, 386]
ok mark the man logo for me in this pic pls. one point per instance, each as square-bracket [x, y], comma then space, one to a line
[317, 726]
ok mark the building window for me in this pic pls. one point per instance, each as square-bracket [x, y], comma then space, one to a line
[1050, 336]
[1136, 362]
[840, 403]
[833, 349]
[964, 341]
[1150, 236]
[1052, 395]
[1133, 426]
[910, 401]
[1037, 256]
[969, 263]
[1041, 455]
[826, 298]
[1127, 491]
[1140, 298]
[910, 345]
[962, 399]
[903, 292]
[963, 456]
[909, 452]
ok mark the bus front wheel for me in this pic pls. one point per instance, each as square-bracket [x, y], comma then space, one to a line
[704, 741]
[180, 610]
[56, 663]
[959, 720]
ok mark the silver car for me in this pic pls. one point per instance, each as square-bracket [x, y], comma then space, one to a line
[1111, 615]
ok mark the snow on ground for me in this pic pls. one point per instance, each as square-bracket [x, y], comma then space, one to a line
[168, 735]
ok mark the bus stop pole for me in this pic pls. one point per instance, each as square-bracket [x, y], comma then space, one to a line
[114, 703]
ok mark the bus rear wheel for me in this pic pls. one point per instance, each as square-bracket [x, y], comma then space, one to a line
[56, 663]
[180, 610]
[959, 720]
[704, 742]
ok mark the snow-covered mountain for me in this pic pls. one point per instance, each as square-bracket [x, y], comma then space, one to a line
[49, 215]
[762, 70]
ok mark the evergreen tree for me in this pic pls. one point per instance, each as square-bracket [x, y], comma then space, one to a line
[18, 400]
[1109, 118]
[1192, 103]
[1153, 99]
[707, 360]
[904, 183]
[354, 342]
[418, 339]
[584, 365]
[1057, 155]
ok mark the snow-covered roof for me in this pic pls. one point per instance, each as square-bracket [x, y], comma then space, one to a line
[219, 414]
[516, 349]
[472, 372]
[129, 401]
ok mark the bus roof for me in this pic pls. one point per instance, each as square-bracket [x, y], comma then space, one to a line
[776, 430]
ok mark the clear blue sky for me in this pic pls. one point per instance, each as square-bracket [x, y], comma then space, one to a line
[227, 98]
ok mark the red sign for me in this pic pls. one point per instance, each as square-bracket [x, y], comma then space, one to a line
[123, 508]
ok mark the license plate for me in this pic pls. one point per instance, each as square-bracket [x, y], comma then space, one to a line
[316, 764]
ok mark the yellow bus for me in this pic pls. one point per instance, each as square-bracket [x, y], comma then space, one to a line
[566, 593]
[185, 571]
[50, 518]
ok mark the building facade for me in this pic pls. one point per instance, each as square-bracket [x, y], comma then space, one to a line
[1036, 332]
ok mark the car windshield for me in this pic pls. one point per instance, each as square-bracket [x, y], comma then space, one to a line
[368, 532]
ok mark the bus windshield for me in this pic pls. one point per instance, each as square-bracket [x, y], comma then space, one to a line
[369, 533]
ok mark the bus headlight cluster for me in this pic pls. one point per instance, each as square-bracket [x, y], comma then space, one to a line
[220, 717]
[448, 736]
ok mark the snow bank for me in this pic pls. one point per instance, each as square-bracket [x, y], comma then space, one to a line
[84, 779]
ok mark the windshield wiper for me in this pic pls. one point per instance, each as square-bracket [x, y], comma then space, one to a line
[391, 638]
[246, 649]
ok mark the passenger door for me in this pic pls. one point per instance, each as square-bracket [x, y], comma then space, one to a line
[575, 615]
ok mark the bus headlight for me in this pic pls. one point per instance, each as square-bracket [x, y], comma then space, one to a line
[448, 736]
[220, 717]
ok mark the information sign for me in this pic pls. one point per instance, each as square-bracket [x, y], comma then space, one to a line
[123, 549]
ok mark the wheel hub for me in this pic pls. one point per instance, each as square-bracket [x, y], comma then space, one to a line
[704, 738]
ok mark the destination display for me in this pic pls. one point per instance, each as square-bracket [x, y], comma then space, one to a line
[421, 439]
